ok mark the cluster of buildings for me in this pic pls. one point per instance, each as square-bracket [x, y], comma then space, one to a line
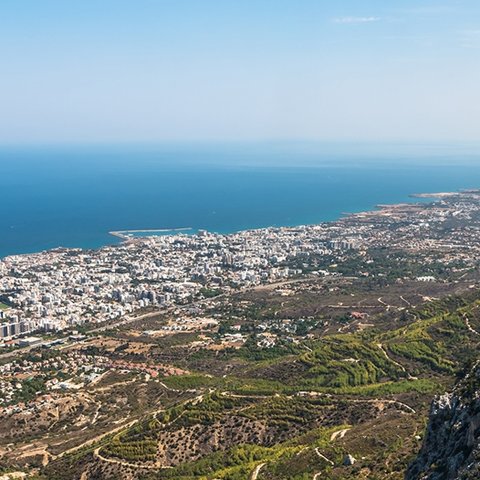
[447, 229]
[72, 370]
[62, 288]
[75, 364]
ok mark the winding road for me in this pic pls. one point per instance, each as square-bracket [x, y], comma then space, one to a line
[469, 326]
[256, 471]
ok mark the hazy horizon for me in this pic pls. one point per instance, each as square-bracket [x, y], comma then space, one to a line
[215, 71]
[234, 154]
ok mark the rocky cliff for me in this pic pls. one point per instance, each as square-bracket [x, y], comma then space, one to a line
[451, 448]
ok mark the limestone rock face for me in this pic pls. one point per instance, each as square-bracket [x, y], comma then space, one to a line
[451, 447]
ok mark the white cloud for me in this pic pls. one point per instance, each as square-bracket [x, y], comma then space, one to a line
[355, 20]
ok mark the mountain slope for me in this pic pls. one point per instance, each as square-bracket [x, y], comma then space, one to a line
[451, 449]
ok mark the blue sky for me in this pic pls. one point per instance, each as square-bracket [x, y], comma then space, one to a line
[174, 70]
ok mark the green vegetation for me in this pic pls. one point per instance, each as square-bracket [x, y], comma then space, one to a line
[188, 382]
[210, 292]
[31, 388]
[141, 450]
[238, 462]
[347, 361]
[279, 400]
[421, 385]
[439, 340]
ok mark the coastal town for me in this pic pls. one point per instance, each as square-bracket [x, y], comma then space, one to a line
[95, 340]
[63, 289]
[240, 240]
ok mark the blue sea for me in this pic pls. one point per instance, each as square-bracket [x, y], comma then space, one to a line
[72, 196]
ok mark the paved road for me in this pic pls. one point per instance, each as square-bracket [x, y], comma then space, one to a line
[129, 319]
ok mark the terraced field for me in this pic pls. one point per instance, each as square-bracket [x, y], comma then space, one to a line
[302, 412]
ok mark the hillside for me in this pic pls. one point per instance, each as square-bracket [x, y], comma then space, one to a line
[451, 447]
[342, 406]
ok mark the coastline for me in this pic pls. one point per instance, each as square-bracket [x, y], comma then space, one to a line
[130, 234]
[185, 187]
[127, 236]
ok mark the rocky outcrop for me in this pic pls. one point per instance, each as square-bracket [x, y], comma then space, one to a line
[451, 448]
[349, 460]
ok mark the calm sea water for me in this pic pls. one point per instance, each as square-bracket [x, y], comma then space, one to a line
[73, 197]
